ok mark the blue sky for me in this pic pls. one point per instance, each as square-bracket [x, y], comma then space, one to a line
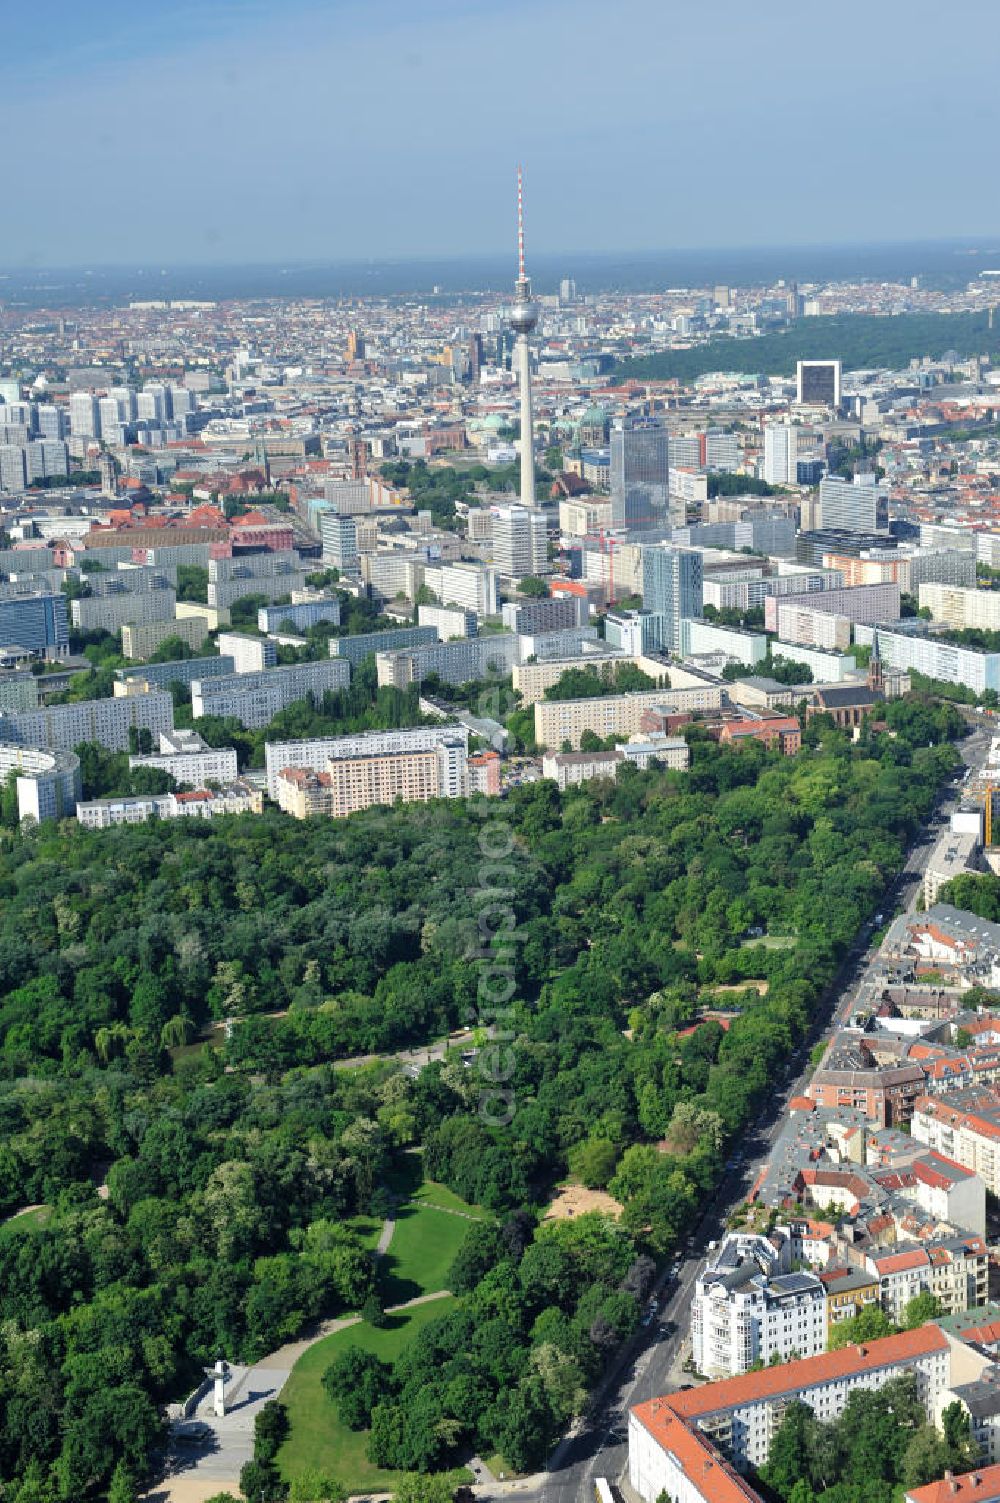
[235, 131]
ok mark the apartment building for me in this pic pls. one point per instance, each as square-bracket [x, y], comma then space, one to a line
[177, 671]
[953, 855]
[271, 574]
[532, 679]
[953, 566]
[736, 591]
[356, 649]
[449, 621]
[747, 647]
[555, 613]
[866, 603]
[582, 515]
[299, 617]
[748, 1307]
[913, 651]
[249, 654]
[189, 759]
[476, 587]
[314, 755]
[18, 691]
[255, 698]
[851, 1075]
[462, 662]
[964, 1129]
[395, 573]
[136, 809]
[801, 624]
[484, 773]
[567, 769]
[129, 608]
[356, 779]
[954, 1269]
[47, 782]
[559, 721]
[675, 1442]
[520, 543]
[962, 607]
[107, 721]
[141, 641]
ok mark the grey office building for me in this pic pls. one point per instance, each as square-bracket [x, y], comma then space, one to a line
[671, 590]
[640, 474]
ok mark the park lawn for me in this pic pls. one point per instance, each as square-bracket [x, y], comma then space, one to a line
[317, 1440]
[423, 1248]
[367, 1228]
[431, 1193]
[25, 1221]
[770, 942]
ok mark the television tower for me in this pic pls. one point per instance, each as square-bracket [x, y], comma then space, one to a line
[523, 319]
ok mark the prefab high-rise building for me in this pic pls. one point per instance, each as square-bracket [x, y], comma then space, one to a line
[672, 586]
[781, 453]
[520, 541]
[640, 474]
[853, 505]
[84, 419]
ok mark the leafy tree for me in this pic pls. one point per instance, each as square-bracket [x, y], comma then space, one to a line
[356, 1381]
[921, 1309]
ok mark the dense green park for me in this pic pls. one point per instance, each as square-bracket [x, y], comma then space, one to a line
[232, 1175]
[861, 341]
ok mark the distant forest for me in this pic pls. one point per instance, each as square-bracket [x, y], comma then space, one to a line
[859, 340]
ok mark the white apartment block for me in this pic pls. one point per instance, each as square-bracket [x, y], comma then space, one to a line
[394, 574]
[748, 1308]
[255, 698]
[454, 662]
[189, 759]
[474, 586]
[736, 592]
[567, 769]
[142, 641]
[860, 603]
[520, 542]
[801, 624]
[559, 721]
[313, 756]
[532, 679]
[935, 658]
[47, 783]
[132, 608]
[135, 809]
[351, 782]
[577, 518]
[269, 574]
[962, 607]
[249, 654]
[954, 1269]
[107, 721]
[450, 622]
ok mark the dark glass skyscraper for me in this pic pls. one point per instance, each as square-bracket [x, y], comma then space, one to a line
[640, 474]
[671, 590]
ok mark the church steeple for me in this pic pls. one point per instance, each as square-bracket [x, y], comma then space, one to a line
[876, 677]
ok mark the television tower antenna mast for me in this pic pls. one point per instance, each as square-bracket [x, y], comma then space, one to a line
[524, 319]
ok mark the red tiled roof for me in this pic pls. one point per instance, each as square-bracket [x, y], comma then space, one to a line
[716, 1480]
[980, 1486]
[807, 1372]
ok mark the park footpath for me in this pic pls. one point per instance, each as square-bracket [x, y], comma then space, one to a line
[197, 1471]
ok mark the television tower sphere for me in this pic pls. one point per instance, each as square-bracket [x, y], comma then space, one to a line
[523, 313]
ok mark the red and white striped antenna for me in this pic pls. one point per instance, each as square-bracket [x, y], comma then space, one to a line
[520, 225]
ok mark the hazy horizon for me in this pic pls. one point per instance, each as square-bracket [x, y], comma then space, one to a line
[233, 133]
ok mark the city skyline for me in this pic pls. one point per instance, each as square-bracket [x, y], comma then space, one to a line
[227, 134]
